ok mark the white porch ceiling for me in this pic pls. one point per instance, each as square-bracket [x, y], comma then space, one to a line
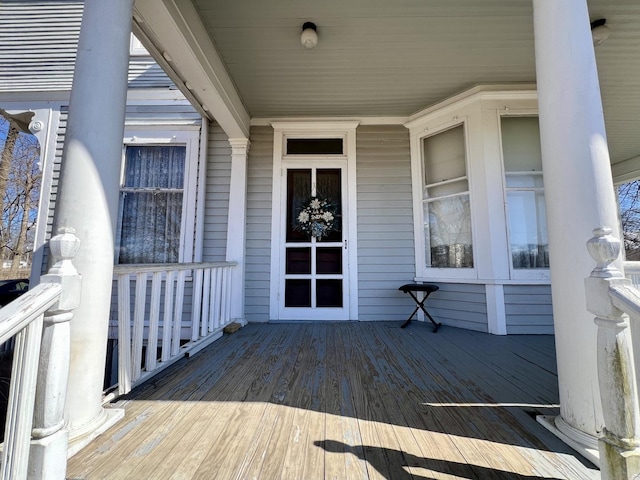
[393, 58]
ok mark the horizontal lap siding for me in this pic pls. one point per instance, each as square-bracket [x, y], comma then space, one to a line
[386, 257]
[460, 305]
[258, 246]
[528, 309]
[216, 213]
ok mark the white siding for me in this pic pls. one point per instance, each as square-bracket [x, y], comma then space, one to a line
[460, 305]
[217, 195]
[386, 257]
[258, 247]
[528, 309]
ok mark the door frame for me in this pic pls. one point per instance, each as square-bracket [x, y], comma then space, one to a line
[316, 129]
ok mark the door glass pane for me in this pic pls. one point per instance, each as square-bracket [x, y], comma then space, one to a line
[329, 293]
[328, 187]
[329, 260]
[297, 293]
[298, 260]
[298, 192]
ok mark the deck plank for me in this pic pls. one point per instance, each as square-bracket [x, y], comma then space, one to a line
[341, 401]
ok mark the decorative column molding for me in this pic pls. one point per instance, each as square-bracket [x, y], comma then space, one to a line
[579, 194]
[48, 452]
[236, 225]
[620, 444]
[87, 201]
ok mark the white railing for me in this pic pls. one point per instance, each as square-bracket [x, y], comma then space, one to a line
[35, 442]
[616, 303]
[632, 272]
[152, 331]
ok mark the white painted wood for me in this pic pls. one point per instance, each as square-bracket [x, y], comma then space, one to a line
[87, 198]
[216, 300]
[179, 34]
[125, 365]
[208, 301]
[177, 313]
[201, 195]
[154, 321]
[167, 323]
[197, 308]
[237, 221]
[610, 297]
[578, 188]
[139, 314]
[496, 316]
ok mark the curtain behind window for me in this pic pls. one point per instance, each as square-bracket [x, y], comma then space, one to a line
[151, 204]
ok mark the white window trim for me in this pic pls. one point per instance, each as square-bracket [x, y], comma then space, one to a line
[517, 273]
[190, 138]
[417, 172]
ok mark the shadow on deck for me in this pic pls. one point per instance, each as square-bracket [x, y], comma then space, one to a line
[343, 400]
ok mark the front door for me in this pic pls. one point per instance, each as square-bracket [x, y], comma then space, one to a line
[313, 252]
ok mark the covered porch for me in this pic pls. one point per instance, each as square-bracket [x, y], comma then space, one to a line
[343, 400]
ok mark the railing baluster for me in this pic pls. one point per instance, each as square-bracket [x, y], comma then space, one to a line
[124, 334]
[167, 323]
[138, 324]
[227, 299]
[177, 316]
[206, 302]
[154, 322]
[216, 293]
[196, 309]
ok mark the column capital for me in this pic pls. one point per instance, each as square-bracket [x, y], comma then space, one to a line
[239, 146]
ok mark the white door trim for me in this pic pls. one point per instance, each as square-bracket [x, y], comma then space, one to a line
[346, 130]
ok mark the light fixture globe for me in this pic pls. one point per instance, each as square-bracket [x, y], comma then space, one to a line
[309, 37]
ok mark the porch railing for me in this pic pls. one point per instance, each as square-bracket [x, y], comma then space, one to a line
[615, 302]
[35, 440]
[167, 311]
[632, 272]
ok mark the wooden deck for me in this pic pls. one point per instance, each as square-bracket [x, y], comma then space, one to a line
[343, 401]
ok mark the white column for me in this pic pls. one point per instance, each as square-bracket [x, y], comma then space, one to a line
[87, 199]
[236, 228]
[579, 195]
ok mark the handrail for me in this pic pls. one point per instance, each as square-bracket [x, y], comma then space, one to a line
[615, 302]
[163, 267]
[35, 442]
[18, 314]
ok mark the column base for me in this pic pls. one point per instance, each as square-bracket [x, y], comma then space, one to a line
[81, 437]
[583, 443]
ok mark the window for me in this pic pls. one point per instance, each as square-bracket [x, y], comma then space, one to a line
[157, 200]
[527, 219]
[629, 207]
[446, 206]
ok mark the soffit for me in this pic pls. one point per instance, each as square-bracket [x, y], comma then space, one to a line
[383, 58]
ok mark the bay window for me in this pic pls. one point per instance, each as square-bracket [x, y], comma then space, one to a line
[446, 206]
[527, 222]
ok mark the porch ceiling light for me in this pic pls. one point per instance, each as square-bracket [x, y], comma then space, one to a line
[309, 37]
[599, 31]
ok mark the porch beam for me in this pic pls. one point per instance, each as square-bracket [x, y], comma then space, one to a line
[579, 194]
[172, 29]
[236, 224]
[87, 201]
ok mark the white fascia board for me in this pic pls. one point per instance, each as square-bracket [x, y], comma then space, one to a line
[174, 34]
[267, 121]
[626, 170]
[472, 95]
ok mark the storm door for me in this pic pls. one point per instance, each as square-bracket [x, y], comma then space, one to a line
[314, 262]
